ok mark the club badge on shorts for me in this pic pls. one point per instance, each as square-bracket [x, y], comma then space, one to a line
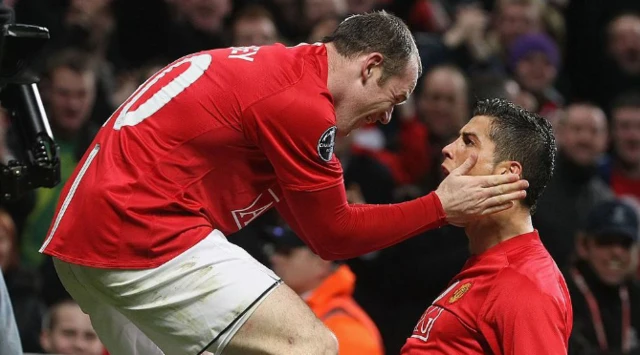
[457, 294]
[326, 144]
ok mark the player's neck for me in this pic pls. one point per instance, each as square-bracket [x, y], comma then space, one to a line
[490, 231]
[335, 80]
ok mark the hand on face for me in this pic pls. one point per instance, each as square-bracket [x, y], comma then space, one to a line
[465, 198]
[475, 185]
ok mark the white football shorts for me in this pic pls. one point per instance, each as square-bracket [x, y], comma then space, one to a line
[195, 302]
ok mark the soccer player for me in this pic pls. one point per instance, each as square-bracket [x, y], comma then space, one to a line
[204, 147]
[510, 297]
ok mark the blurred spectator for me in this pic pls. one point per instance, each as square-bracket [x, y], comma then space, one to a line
[316, 10]
[9, 337]
[606, 300]
[575, 187]
[622, 169]
[68, 91]
[554, 24]
[130, 81]
[23, 286]
[429, 16]
[202, 27]
[464, 43]
[207, 16]
[323, 28]
[8, 247]
[327, 287]
[289, 15]
[624, 43]
[81, 24]
[443, 105]
[95, 18]
[495, 85]
[467, 37]
[87, 26]
[624, 51]
[591, 70]
[618, 70]
[66, 330]
[514, 18]
[361, 6]
[534, 60]
[254, 26]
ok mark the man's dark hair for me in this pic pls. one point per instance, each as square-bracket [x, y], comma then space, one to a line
[78, 61]
[379, 32]
[629, 99]
[525, 137]
[50, 318]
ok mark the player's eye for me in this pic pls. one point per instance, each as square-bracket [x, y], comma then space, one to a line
[467, 141]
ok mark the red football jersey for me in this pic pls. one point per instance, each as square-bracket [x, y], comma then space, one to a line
[511, 299]
[188, 150]
[212, 141]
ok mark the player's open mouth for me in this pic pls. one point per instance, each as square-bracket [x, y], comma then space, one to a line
[384, 118]
[445, 171]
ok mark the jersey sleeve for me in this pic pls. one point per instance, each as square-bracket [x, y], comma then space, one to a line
[518, 318]
[336, 230]
[296, 130]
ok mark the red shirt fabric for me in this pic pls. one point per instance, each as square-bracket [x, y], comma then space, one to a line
[211, 142]
[511, 299]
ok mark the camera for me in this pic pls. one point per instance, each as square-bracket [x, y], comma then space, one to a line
[38, 163]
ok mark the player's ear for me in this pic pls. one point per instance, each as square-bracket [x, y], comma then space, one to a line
[509, 167]
[372, 63]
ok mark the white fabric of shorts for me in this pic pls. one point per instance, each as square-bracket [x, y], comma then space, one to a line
[195, 302]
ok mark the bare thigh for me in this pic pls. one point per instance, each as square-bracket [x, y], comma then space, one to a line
[283, 324]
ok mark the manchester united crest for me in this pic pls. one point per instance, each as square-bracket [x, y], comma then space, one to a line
[461, 291]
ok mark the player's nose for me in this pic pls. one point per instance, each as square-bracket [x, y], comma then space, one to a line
[447, 151]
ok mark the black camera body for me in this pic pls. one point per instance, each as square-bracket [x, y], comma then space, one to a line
[39, 165]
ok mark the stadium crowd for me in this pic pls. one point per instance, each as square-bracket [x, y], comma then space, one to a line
[576, 63]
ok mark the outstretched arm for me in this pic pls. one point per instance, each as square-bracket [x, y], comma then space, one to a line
[336, 230]
[299, 149]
